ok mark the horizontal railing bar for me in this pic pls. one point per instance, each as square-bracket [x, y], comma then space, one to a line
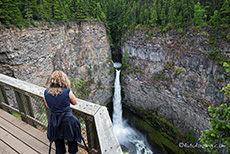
[22, 85]
[81, 106]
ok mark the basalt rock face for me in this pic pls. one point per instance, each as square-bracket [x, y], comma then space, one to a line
[171, 74]
[80, 49]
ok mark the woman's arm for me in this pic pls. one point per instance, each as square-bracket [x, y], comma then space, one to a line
[73, 99]
[45, 102]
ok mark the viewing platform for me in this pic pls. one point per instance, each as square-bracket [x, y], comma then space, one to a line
[27, 132]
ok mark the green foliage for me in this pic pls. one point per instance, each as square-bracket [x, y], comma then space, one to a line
[225, 11]
[220, 79]
[216, 18]
[178, 71]
[99, 83]
[112, 69]
[17, 115]
[213, 54]
[80, 87]
[169, 66]
[124, 65]
[198, 15]
[119, 15]
[58, 10]
[228, 36]
[220, 58]
[180, 30]
[226, 89]
[9, 12]
[218, 134]
[68, 25]
[225, 64]
[191, 136]
[187, 95]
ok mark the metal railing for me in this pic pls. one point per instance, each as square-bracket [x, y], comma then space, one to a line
[25, 100]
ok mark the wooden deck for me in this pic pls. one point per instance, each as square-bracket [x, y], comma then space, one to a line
[18, 137]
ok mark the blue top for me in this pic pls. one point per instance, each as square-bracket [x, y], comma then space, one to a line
[62, 123]
[59, 103]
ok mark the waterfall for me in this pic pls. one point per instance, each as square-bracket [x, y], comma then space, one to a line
[117, 107]
[131, 139]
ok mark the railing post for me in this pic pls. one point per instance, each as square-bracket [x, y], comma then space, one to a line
[28, 105]
[24, 105]
[93, 142]
[3, 97]
[20, 105]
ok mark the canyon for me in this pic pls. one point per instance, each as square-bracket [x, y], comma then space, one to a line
[169, 80]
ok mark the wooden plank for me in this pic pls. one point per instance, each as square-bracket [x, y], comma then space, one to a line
[6, 149]
[24, 136]
[39, 135]
[107, 138]
[15, 143]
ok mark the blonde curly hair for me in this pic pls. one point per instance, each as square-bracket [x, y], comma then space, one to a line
[57, 81]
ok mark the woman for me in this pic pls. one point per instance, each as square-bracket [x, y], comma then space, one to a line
[62, 125]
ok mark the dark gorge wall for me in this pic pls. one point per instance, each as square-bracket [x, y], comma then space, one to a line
[80, 49]
[170, 76]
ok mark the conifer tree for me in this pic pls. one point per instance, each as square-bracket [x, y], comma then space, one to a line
[198, 15]
[42, 13]
[58, 10]
[67, 9]
[99, 13]
[153, 15]
[225, 12]
[72, 4]
[179, 20]
[10, 12]
[93, 9]
[80, 10]
[172, 12]
[153, 18]
[218, 135]
[215, 19]
[1, 11]
[28, 12]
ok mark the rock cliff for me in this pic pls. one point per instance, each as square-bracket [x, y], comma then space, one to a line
[80, 49]
[171, 74]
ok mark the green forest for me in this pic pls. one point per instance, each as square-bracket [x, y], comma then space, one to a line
[119, 15]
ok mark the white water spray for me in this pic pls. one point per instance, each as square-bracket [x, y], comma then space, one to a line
[117, 107]
[128, 137]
